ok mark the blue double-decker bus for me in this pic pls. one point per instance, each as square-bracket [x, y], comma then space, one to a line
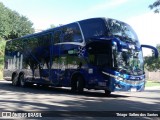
[98, 53]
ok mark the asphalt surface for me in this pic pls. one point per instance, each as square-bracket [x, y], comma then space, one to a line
[55, 101]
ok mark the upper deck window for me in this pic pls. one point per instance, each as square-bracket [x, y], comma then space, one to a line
[92, 28]
[68, 33]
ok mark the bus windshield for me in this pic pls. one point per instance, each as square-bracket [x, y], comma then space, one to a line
[129, 62]
[121, 30]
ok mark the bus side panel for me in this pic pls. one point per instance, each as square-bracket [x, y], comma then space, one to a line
[13, 59]
[37, 58]
[65, 63]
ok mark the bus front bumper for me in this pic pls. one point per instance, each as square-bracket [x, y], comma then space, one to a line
[129, 85]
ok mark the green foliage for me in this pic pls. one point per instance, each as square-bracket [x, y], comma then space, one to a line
[152, 84]
[52, 26]
[2, 47]
[151, 63]
[155, 6]
[13, 25]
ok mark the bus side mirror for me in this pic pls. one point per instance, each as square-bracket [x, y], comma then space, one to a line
[153, 48]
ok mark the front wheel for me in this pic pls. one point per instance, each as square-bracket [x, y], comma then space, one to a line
[80, 84]
[77, 84]
[107, 92]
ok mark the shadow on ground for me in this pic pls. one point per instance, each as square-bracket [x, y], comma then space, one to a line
[58, 99]
[52, 90]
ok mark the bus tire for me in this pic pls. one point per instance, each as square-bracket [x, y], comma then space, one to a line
[80, 84]
[15, 81]
[22, 80]
[107, 92]
[73, 86]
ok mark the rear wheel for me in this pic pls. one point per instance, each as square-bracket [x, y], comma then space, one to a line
[107, 92]
[15, 81]
[22, 80]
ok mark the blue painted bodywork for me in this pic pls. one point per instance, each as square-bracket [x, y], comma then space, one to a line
[55, 63]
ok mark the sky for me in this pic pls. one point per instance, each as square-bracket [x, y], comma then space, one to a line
[44, 13]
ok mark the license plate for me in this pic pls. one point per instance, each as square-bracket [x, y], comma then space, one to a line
[133, 90]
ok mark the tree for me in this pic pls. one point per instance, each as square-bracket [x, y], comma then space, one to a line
[12, 24]
[155, 6]
[52, 26]
[151, 63]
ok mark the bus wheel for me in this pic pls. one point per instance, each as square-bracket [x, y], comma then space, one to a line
[15, 81]
[73, 86]
[80, 84]
[21, 80]
[107, 92]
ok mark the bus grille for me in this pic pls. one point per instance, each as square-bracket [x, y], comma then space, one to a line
[134, 82]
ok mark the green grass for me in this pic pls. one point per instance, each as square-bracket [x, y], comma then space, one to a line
[152, 83]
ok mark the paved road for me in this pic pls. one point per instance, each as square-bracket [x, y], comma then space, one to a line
[58, 99]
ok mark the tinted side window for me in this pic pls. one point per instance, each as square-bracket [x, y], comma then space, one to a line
[37, 41]
[57, 36]
[92, 28]
[72, 33]
[45, 39]
[32, 43]
[68, 33]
